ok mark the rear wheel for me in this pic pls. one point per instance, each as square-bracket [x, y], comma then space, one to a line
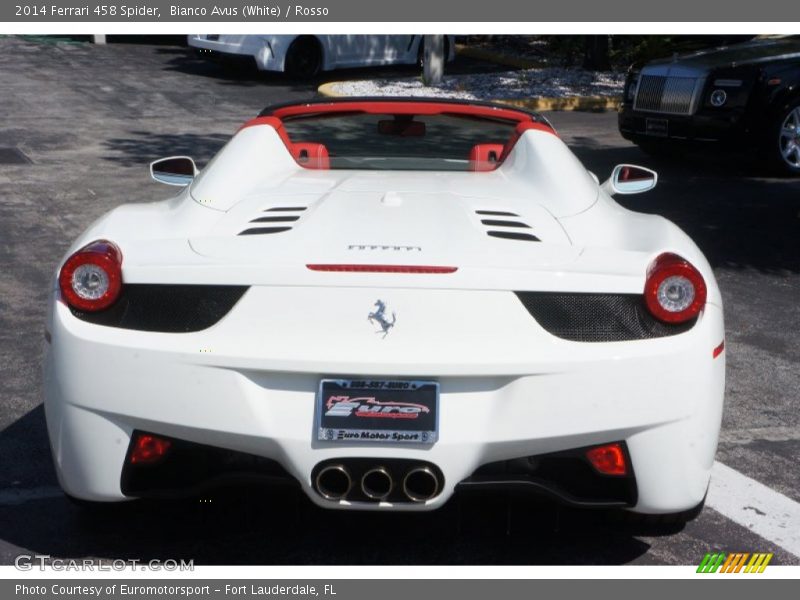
[304, 58]
[783, 145]
[663, 522]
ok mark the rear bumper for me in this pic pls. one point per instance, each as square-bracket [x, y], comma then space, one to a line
[265, 55]
[703, 127]
[508, 389]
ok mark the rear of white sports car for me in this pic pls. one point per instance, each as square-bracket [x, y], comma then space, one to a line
[386, 338]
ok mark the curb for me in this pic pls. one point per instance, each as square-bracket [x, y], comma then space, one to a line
[498, 58]
[577, 103]
[326, 89]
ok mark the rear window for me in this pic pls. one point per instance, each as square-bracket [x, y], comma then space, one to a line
[402, 142]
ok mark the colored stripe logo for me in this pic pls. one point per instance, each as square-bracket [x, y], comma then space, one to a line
[734, 562]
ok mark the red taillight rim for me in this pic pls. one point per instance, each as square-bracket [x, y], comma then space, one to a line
[103, 254]
[609, 459]
[671, 265]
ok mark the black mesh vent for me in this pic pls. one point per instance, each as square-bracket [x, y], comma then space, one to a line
[167, 308]
[597, 317]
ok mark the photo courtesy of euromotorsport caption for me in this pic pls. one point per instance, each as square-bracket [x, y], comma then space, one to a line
[384, 302]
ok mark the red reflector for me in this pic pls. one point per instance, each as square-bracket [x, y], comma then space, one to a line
[718, 350]
[383, 269]
[608, 459]
[148, 449]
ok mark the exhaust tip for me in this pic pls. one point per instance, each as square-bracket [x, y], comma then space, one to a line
[333, 482]
[377, 483]
[420, 484]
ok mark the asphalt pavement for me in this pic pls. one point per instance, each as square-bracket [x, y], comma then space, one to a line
[78, 125]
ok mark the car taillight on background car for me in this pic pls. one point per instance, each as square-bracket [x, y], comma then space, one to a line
[91, 279]
[674, 291]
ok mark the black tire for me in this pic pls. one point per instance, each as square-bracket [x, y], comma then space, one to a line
[421, 51]
[780, 139]
[663, 523]
[92, 508]
[304, 58]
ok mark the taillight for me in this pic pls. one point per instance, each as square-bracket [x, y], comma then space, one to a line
[148, 449]
[91, 279]
[675, 291]
[608, 459]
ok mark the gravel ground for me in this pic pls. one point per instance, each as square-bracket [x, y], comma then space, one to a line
[547, 82]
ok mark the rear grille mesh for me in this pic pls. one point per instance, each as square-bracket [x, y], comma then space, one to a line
[167, 308]
[597, 317]
[673, 95]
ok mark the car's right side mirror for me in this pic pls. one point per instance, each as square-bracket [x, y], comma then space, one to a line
[630, 179]
[173, 170]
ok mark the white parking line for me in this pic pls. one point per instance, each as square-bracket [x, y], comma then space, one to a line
[753, 505]
[18, 496]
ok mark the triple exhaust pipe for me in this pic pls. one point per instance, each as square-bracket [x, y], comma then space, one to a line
[419, 483]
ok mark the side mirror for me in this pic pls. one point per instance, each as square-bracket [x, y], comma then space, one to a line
[173, 170]
[630, 179]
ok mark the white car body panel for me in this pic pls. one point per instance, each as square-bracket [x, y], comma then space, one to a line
[509, 388]
[338, 51]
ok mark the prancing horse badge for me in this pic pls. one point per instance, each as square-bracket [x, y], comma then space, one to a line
[378, 317]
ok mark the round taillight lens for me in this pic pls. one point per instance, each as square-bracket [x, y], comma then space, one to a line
[91, 279]
[675, 291]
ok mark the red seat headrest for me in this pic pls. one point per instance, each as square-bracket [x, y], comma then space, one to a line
[485, 157]
[311, 155]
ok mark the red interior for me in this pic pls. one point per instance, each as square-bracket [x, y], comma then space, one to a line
[483, 157]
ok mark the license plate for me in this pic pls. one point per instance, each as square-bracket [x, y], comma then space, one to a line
[378, 411]
[657, 127]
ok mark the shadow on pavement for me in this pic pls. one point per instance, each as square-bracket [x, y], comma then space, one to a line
[141, 147]
[739, 217]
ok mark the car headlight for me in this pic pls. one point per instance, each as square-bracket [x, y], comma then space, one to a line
[633, 84]
[718, 98]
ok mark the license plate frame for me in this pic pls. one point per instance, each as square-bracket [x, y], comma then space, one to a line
[377, 411]
[656, 127]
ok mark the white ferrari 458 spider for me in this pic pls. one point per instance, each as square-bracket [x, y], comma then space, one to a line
[385, 302]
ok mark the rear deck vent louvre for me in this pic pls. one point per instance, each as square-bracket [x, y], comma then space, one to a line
[499, 223]
[283, 219]
[496, 213]
[263, 230]
[514, 235]
[285, 209]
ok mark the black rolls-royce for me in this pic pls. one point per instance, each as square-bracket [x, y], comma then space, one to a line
[745, 95]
